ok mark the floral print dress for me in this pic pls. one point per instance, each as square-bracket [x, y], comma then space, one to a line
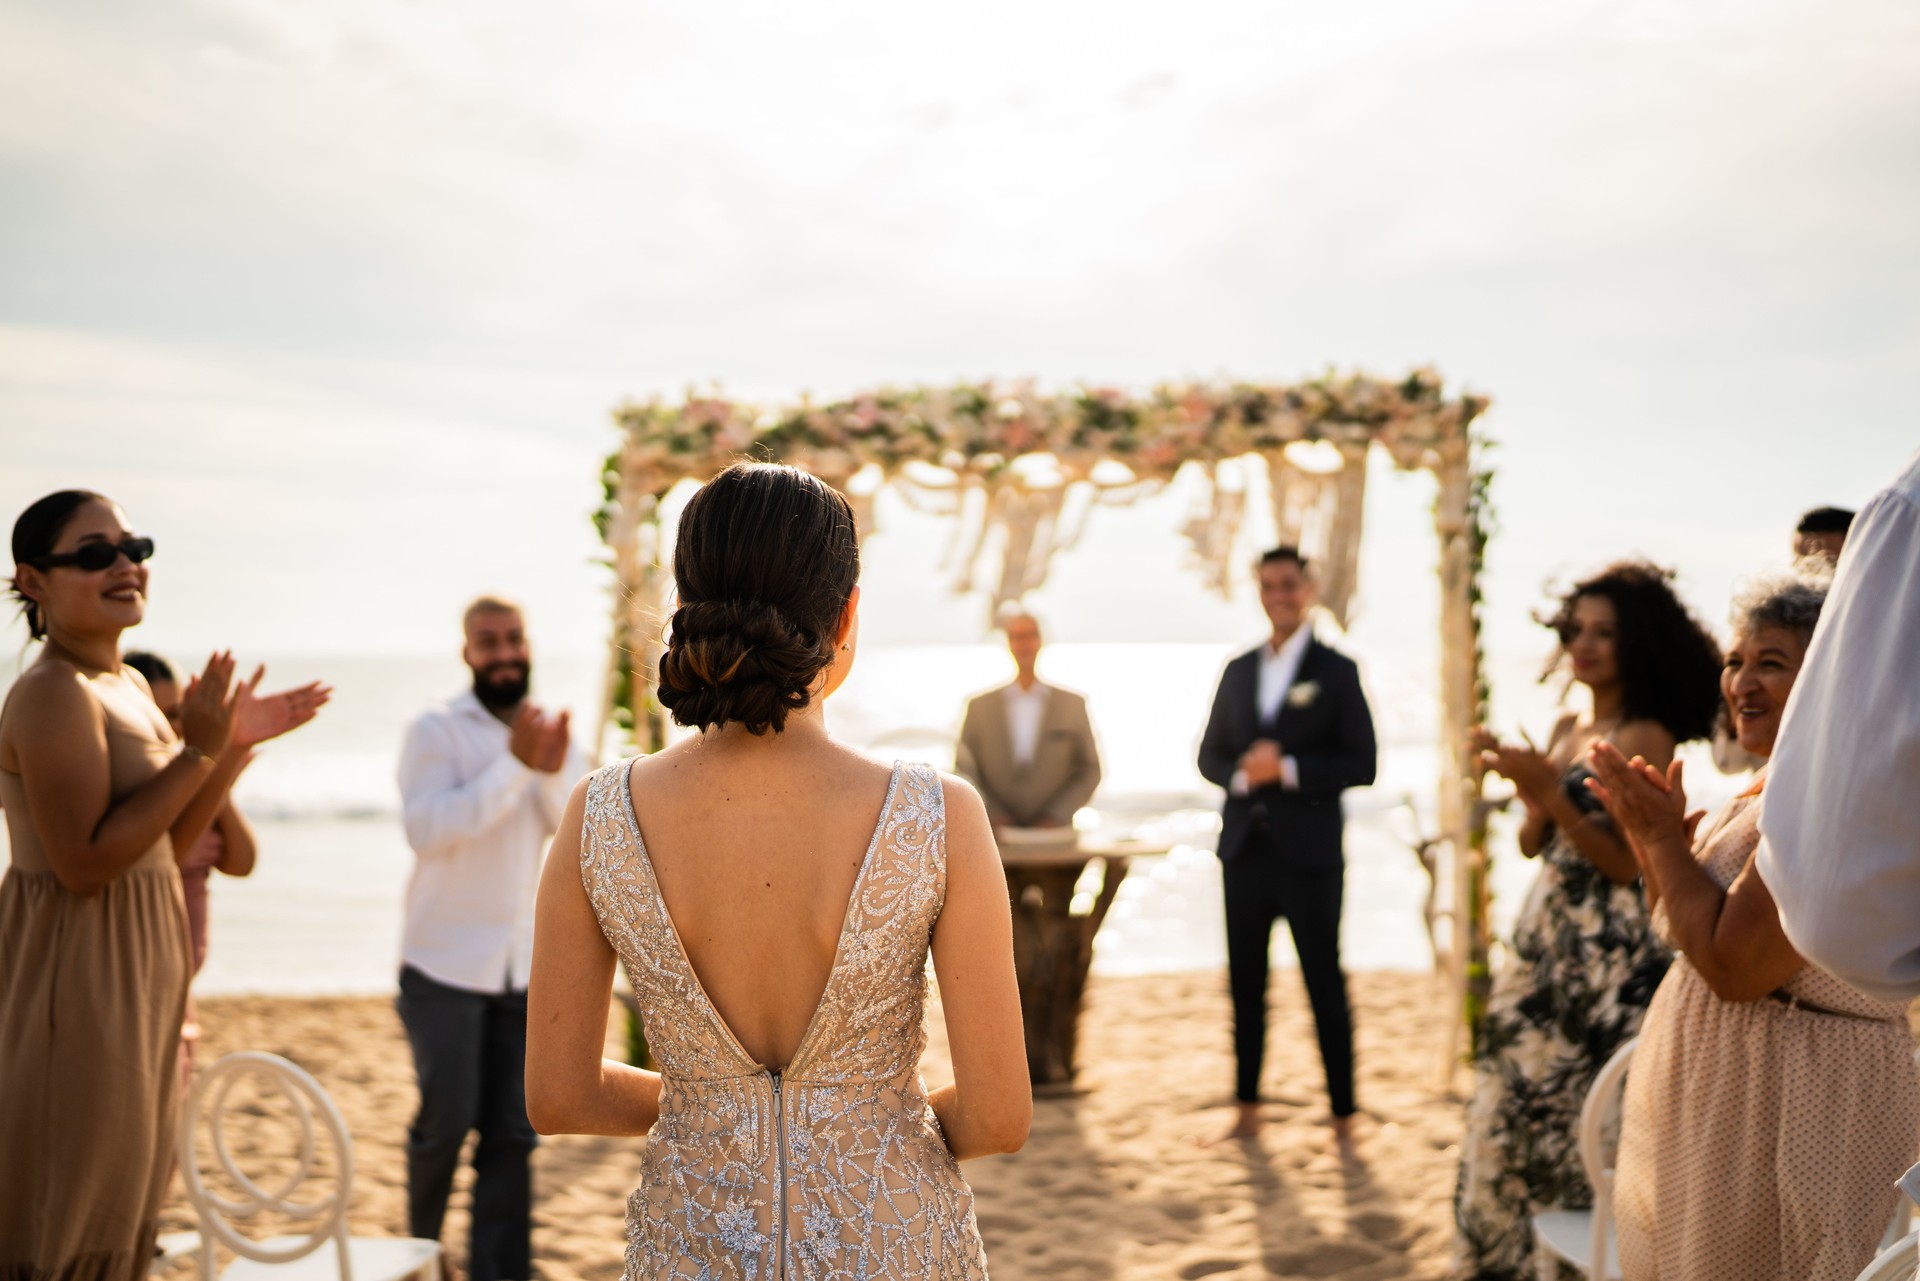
[1583, 966]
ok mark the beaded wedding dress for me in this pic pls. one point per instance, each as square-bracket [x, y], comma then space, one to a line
[833, 1166]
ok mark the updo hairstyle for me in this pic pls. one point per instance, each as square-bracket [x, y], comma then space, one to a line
[35, 534]
[765, 562]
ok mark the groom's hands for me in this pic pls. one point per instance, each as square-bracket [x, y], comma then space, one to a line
[1261, 763]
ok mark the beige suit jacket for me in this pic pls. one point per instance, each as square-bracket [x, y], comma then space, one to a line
[1060, 778]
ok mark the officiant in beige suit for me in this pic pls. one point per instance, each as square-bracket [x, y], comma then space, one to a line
[1028, 746]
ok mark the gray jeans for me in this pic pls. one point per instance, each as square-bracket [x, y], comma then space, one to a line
[470, 1053]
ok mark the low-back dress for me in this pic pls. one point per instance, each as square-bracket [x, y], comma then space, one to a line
[835, 1166]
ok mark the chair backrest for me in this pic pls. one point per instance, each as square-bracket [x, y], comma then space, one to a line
[207, 1106]
[1903, 1210]
[1898, 1262]
[1599, 1138]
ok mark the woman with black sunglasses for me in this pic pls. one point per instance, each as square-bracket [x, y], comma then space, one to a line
[94, 953]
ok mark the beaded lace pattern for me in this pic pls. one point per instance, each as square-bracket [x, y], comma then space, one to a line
[834, 1167]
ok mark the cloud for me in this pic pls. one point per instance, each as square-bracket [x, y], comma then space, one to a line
[379, 269]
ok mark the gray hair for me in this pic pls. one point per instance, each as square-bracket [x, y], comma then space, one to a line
[1789, 600]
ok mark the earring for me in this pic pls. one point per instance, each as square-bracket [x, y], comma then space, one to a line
[848, 646]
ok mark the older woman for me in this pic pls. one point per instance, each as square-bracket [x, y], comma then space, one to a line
[1770, 1106]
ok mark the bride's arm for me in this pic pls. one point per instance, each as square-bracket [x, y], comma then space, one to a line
[571, 1088]
[989, 1106]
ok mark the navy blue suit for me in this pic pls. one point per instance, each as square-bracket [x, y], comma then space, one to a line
[1283, 850]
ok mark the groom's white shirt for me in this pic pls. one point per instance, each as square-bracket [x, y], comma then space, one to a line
[478, 821]
[1278, 667]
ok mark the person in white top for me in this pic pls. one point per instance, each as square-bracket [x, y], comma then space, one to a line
[1840, 839]
[484, 779]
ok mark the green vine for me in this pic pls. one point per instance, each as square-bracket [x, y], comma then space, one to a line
[1476, 914]
[621, 713]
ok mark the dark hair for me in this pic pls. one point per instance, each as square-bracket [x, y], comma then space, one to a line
[151, 666]
[1825, 520]
[34, 536]
[765, 561]
[1669, 664]
[1285, 554]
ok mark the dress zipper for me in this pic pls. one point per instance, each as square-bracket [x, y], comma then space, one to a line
[780, 1164]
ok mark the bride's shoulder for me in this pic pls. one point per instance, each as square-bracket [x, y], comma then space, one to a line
[864, 767]
[960, 799]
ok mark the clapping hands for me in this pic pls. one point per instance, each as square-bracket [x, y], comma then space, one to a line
[538, 740]
[259, 717]
[208, 707]
[1646, 805]
[1523, 765]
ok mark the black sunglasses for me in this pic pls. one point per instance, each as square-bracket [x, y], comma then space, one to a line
[94, 557]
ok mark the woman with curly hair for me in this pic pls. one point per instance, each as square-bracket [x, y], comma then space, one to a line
[1583, 962]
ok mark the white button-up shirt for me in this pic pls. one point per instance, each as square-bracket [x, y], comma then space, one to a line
[1840, 846]
[1278, 666]
[478, 821]
[1025, 710]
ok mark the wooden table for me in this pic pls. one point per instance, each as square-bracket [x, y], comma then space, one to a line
[1052, 942]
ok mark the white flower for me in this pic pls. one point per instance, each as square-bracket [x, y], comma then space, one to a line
[1302, 693]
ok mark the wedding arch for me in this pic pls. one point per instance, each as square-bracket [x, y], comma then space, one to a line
[1020, 470]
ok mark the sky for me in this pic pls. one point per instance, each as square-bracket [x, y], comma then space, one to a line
[336, 299]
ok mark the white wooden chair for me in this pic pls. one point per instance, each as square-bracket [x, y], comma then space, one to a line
[1898, 1262]
[285, 1258]
[172, 1248]
[1903, 1212]
[1584, 1239]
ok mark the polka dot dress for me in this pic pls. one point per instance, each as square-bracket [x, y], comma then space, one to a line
[1761, 1139]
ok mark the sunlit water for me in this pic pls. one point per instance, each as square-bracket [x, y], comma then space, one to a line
[322, 912]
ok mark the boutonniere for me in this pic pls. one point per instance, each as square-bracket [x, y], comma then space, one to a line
[1302, 693]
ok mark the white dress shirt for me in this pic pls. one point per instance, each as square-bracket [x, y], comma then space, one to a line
[1278, 666]
[1025, 710]
[1841, 827]
[478, 821]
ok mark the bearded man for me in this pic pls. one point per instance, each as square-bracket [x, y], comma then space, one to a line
[484, 779]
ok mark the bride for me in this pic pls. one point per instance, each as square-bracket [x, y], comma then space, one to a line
[774, 895]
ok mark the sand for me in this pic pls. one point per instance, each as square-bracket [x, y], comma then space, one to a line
[1113, 1182]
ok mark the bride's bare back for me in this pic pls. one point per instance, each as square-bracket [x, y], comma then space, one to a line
[756, 854]
[775, 897]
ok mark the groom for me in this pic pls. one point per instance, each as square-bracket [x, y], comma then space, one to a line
[1289, 731]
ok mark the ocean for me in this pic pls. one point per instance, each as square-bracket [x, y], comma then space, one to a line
[321, 914]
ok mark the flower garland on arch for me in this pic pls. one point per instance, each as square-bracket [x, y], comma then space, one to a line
[982, 428]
